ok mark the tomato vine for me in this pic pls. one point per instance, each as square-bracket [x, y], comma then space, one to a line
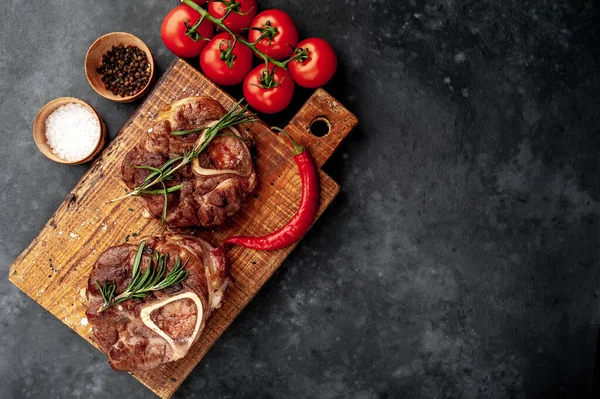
[237, 38]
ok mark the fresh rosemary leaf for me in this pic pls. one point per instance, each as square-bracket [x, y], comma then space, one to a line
[108, 290]
[171, 189]
[185, 132]
[170, 162]
[137, 260]
[152, 168]
[166, 204]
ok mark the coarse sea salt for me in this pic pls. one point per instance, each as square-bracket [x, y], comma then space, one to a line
[72, 131]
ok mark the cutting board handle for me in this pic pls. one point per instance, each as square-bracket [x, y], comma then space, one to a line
[321, 108]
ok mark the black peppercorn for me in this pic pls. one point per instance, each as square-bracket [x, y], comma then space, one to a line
[125, 70]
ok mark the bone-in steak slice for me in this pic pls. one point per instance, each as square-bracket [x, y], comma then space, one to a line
[214, 184]
[140, 334]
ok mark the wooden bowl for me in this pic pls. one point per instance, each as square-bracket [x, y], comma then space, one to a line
[39, 130]
[93, 60]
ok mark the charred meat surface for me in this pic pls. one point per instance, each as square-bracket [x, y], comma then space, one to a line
[142, 333]
[214, 185]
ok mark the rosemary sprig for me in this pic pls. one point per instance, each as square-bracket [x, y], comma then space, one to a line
[142, 284]
[160, 175]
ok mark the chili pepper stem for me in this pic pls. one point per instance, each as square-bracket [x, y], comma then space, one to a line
[298, 149]
[219, 22]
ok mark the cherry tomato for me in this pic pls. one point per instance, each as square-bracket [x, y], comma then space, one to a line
[234, 21]
[268, 99]
[217, 69]
[279, 45]
[317, 66]
[173, 32]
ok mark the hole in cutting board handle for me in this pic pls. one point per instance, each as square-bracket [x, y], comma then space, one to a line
[320, 126]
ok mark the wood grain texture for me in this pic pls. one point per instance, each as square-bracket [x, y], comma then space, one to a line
[54, 269]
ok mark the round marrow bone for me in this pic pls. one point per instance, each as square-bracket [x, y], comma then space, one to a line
[181, 346]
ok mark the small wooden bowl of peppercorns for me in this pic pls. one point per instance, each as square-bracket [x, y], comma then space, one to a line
[120, 67]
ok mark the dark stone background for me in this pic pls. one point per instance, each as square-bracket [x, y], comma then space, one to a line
[460, 260]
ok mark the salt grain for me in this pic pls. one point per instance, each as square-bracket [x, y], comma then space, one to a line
[72, 131]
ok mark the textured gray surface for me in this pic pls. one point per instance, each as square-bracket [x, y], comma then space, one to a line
[460, 259]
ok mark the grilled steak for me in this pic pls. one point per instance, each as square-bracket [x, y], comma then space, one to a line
[214, 184]
[140, 334]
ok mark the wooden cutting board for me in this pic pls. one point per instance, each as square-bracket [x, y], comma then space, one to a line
[54, 269]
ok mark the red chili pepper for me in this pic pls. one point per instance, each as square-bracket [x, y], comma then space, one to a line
[305, 215]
